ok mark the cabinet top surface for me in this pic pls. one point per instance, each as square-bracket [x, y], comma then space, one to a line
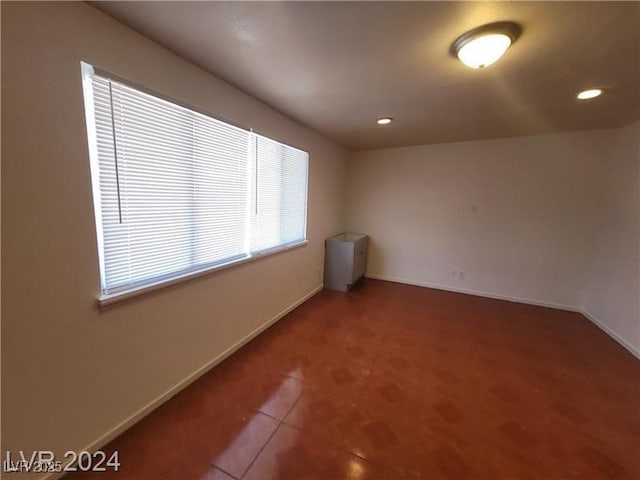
[348, 237]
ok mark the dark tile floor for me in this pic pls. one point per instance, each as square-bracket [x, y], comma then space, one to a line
[392, 381]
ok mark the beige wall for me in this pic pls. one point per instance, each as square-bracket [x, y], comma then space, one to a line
[70, 373]
[612, 294]
[528, 239]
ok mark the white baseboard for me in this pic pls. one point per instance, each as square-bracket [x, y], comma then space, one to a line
[600, 324]
[477, 293]
[155, 403]
[606, 329]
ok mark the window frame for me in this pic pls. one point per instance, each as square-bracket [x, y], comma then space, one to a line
[108, 299]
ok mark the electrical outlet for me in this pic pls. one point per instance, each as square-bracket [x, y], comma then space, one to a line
[474, 209]
[461, 275]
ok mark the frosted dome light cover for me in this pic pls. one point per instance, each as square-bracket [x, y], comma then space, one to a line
[482, 46]
[485, 50]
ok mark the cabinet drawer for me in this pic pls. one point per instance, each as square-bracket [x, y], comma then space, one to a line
[359, 261]
[362, 242]
[345, 260]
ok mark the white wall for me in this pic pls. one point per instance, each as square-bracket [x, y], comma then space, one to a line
[612, 294]
[528, 239]
[71, 373]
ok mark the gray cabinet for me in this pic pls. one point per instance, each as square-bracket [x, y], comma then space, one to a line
[345, 260]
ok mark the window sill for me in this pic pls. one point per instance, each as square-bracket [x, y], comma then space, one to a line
[108, 300]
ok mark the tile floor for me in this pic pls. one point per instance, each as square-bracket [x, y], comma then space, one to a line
[398, 382]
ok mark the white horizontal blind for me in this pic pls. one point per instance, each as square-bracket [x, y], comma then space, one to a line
[173, 187]
[220, 189]
[177, 191]
[280, 194]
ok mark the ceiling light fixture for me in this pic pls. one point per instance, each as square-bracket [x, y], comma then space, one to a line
[385, 121]
[482, 46]
[591, 93]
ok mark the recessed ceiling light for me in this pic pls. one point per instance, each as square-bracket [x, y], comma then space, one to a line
[482, 46]
[591, 93]
[385, 121]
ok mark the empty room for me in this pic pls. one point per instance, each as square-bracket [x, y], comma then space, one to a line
[320, 240]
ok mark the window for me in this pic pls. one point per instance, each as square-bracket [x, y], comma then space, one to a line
[178, 192]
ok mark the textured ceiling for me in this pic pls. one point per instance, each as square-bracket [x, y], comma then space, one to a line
[337, 66]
